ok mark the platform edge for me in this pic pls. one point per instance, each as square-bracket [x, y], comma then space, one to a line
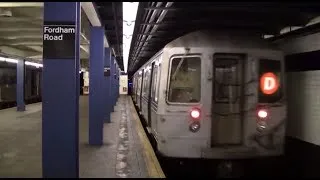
[152, 163]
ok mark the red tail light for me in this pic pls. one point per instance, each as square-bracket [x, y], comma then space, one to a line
[262, 117]
[195, 113]
[262, 113]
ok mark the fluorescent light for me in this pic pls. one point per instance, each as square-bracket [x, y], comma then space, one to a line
[85, 48]
[92, 16]
[266, 36]
[85, 38]
[11, 60]
[37, 65]
[313, 21]
[15, 61]
[289, 29]
[129, 17]
[82, 70]
[114, 53]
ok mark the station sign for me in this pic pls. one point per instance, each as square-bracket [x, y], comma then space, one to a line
[106, 71]
[269, 83]
[59, 40]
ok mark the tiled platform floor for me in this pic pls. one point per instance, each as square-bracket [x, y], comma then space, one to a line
[120, 156]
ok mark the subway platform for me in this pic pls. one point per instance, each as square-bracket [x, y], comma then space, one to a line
[126, 152]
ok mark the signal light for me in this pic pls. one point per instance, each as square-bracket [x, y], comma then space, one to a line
[262, 117]
[195, 113]
[269, 83]
[262, 113]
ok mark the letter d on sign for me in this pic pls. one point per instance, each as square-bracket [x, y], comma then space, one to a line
[269, 83]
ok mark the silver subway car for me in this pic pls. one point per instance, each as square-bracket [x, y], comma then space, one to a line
[213, 94]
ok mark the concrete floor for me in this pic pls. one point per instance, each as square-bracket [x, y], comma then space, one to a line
[20, 144]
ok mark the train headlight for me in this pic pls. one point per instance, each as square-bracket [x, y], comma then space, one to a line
[194, 126]
[262, 118]
[262, 113]
[195, 113]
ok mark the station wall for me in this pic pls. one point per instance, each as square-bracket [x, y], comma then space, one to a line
[303, 87]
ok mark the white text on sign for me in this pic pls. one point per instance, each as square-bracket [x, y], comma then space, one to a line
[269, 83]
[56, 33]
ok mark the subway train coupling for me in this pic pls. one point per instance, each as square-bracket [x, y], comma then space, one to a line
[214, 95]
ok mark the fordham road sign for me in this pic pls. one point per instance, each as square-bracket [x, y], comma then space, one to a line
[59, 40]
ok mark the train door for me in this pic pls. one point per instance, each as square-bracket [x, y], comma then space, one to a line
[155, 92]
[227, 99]
[149, 94]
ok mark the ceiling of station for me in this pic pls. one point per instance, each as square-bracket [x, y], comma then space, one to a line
[111, 16]
[21, 30]
[158, 23]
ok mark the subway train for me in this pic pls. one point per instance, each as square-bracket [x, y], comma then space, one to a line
[213, 94]
[8, 80]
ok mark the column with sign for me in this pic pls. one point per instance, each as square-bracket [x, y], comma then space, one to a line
[107, 84]
[61, 47]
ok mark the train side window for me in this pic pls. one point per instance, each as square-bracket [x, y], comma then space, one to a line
[185, 80]
[273, 92]
[154, 81]
[158, 82]
[226, 78]
[134, 85]
[143, 81]
[139, 85]
[146, 81]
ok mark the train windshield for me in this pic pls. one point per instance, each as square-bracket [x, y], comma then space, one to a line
[185, 80]
[270, 90]
[227, 73]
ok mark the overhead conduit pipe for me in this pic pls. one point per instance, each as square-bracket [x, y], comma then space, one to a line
[143, 29]
[155, 27]
[151, 19]
[146, 28]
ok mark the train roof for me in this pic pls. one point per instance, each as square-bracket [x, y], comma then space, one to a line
[228, 38]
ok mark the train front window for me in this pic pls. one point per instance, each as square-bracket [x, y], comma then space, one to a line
[270, 86]
[185, 80]
[227, 75]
